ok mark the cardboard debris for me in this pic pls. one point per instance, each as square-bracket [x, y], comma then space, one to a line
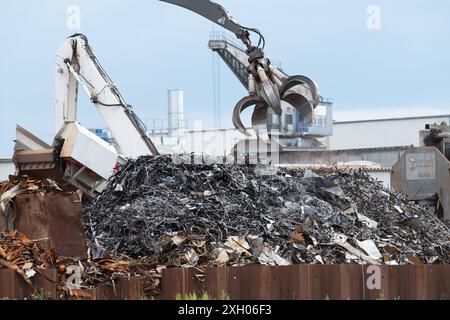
[238, 244]
[222, 257]
[270, 258]
[178, 240]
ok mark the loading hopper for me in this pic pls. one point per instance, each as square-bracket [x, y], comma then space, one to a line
[424, 174]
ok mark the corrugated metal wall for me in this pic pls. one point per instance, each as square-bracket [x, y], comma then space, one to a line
[383, 176]
[7, 167]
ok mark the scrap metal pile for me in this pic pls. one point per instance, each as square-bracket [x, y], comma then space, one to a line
[213, 214]
[23, 184]
[27, 258]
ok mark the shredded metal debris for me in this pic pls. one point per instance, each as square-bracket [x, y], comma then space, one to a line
[23, 184]
[27, 258]
[212, 214]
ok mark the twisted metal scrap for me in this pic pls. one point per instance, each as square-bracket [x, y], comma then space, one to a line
[17, 251]
[183, 215]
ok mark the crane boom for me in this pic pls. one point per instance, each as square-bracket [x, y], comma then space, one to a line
[217, 14]
[267, 85]
[77, 155]
[77, 65]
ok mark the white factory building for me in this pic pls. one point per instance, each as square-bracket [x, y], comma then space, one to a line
[334, 135]
[361, 134]
[380, 133]
[6, 168]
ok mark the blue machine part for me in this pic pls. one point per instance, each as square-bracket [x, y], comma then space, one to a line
[101, 134]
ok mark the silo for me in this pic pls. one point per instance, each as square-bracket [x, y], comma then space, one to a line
[176, 112]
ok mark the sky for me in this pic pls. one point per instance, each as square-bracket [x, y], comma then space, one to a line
[394, 61]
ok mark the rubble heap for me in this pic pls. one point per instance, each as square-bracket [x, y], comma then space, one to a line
[26, 184]
[23, 184]
[27, 258]
[213, 214]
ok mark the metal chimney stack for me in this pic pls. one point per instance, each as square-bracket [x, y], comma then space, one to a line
[176, 113]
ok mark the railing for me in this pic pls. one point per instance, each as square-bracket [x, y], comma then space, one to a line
[217, 36]
[161, 126]
[222, 36]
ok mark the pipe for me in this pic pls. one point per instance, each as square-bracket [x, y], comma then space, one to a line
[277, 73]
[77, 77]
[251, 85]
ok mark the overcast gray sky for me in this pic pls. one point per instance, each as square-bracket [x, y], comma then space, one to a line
[148, 47]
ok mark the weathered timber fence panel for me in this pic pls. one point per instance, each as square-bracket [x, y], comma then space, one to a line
[306, 282]
[296, 282]
[14, 287]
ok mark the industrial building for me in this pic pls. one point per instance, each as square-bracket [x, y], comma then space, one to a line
[6, 168]
[391, 132]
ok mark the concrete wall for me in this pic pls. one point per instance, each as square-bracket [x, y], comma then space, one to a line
[379, 133]
[7, 167]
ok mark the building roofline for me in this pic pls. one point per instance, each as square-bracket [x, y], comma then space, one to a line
[394, 119]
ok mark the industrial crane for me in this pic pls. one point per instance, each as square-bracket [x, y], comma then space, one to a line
[294, 123]
[84, 160]
[77, 65]
[77, 155]
[267, 85]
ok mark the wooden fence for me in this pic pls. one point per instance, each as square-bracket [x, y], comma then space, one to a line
[297, 282]
[13, 286]
[304, 282]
